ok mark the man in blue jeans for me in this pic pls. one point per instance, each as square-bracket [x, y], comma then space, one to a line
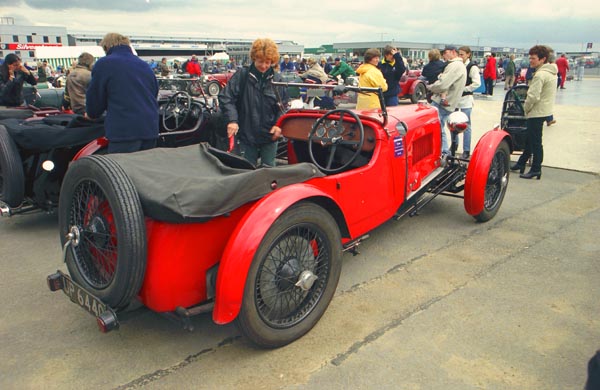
[465, 104]
[452, 82]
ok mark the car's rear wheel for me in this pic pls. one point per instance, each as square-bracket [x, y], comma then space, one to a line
[12, 178]
[213, 88]
[292, 278]
[497, 182]
[101, 209]
[419, 93]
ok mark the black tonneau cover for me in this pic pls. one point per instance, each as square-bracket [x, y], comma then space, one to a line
[53, 132]
[191, 184]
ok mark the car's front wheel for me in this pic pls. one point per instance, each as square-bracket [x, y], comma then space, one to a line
[100, 210]
[292, 278]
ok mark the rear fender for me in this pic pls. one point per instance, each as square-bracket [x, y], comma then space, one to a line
[245, 240]
[479, 166]
[92, 148]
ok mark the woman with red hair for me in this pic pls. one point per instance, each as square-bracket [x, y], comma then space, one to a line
[251, 105]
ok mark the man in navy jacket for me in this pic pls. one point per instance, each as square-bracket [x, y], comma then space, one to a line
[125, 87]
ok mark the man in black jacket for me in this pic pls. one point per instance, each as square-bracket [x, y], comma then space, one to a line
[392, 66]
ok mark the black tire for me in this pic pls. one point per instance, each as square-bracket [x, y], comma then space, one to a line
[419, 93]
[213, 88]
[12, 177]
[99, 201]
[497, 182]
[304, 240]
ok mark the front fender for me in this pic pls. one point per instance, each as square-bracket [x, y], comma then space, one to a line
[91, 148]
[479, 166]
[244, 242]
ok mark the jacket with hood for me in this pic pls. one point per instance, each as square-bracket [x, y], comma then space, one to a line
[369, 76]
[541, 92]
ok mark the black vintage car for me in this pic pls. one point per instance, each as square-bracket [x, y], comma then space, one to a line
[35, 153]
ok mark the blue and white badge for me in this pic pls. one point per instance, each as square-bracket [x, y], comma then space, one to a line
[398, 147]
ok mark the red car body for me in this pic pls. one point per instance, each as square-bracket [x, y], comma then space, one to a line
[404, 160]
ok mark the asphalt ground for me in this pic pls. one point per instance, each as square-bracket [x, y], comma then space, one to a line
[435, 301]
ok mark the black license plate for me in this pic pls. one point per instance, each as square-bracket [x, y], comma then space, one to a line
[79, 295]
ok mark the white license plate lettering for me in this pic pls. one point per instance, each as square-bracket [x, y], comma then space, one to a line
[83, 298]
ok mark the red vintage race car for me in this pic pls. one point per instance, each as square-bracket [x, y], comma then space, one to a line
[194, 230]
[213, 83]
[412, 87]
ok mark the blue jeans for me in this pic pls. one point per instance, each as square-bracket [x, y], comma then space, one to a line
[443, 114]
[266, 152]
[467, 133]
[391, 101]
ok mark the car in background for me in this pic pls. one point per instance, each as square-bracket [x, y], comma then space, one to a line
[412, 87]
[521, 66]
[213, 83]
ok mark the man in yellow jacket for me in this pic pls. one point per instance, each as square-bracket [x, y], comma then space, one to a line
[370, 76]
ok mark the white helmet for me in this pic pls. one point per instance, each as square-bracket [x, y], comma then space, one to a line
[458, 121]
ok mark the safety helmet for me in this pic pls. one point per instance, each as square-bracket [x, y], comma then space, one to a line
[457, 122]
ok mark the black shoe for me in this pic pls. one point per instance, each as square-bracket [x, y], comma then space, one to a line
[466, 154]
[531, 175]
[517, 167]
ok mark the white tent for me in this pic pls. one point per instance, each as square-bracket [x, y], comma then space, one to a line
[65, 55]
[219, 57]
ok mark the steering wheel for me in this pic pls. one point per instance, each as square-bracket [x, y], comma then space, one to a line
[176, 111]
[332, 132]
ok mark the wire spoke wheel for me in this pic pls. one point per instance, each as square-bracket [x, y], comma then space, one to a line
[96, 255]
[280, 302]
[100, 207]
[292, 278]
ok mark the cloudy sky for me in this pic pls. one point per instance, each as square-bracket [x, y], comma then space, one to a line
[565, 25]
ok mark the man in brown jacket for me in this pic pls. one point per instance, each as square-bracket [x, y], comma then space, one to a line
[77, 83]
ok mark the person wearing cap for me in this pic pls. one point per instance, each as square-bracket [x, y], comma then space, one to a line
[392, 67]
[12, 76]
[287, 65]
[342, 69]
[452, 82]
[490, 73]
[370, 76]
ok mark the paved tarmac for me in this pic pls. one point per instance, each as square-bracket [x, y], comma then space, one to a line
[436, 301]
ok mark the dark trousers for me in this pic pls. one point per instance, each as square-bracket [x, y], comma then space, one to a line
[489, 86]
[533, 144]
[131, 146]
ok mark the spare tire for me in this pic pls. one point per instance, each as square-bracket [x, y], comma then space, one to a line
[12, 178]
[100, 206]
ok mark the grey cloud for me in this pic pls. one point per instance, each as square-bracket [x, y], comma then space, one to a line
[113, 5]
